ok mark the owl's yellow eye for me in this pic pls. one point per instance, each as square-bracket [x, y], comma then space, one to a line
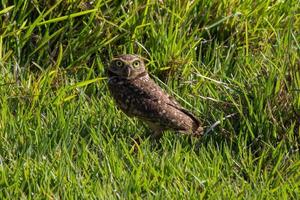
[136, 63]
[119, 63]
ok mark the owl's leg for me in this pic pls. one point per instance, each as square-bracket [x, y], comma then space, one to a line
[156, 135]
[157, 131]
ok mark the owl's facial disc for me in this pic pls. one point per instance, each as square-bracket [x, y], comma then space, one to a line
[126, 66]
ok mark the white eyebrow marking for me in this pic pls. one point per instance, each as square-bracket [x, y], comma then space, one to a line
[120, 59]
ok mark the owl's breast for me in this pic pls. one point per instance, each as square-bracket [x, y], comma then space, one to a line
[125, 93]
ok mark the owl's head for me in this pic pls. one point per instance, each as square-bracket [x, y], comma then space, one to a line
[126, 66]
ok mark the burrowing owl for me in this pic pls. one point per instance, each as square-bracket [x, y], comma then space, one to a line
[139, 96]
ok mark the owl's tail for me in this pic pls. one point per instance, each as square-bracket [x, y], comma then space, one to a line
[198, 132]
[197, 129]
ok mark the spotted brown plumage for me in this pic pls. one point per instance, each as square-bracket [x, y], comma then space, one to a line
[137, 95]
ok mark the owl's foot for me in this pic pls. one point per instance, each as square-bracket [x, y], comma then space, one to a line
[156, 135]
[199, 132]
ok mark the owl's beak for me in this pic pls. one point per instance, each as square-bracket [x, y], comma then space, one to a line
[128, 71]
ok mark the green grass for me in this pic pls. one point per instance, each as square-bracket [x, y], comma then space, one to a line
[62, 137]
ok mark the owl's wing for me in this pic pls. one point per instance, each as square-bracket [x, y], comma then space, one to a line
[187, 112]
[176, 105]
[152, 100]
[152, 103]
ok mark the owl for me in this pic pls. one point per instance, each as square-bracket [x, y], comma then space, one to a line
[137, 95]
